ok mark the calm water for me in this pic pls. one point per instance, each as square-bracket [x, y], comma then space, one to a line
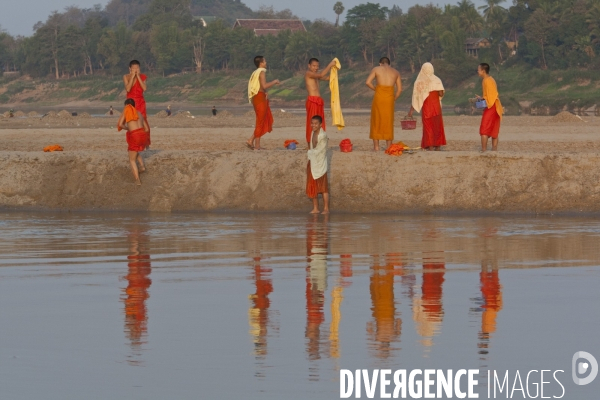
[238, 306]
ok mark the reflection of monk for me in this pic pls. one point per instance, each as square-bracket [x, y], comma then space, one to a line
[259, 309]
[136, 292]
[386, 328]
[491, 292]
[428, 311]
[316, 284]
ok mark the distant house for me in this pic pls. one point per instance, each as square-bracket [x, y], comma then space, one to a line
[205, 20]
[263, 27]
[473, 45]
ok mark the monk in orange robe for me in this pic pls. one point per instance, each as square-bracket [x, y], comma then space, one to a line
[492, 115]
[137, 137]
[257, 94]
[382, 108]
[314, 103]
[135, 86]
[427, 96]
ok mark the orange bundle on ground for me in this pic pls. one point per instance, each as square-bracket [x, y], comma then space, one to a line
[290, 141]
[396, 149]
[53, 147]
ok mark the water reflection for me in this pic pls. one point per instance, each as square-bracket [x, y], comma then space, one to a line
[490, 303]
[259, 308]
[136, 292]
[428, 311]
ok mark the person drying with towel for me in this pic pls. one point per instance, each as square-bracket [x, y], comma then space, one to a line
[137, 137]
[257, 94]
[382, 109]
[427, 97]
[314, 103]
[316, 169]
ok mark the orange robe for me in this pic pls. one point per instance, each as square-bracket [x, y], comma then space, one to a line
[491, 291]
[314, 106]
[433, 124]
[492, 115]
[137, 140]
[433, 279]
[314, 187]
[382, 113]
[264, 118]
[137, 94]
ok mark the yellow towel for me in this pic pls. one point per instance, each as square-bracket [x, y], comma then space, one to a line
[336, 108]
[254, 83]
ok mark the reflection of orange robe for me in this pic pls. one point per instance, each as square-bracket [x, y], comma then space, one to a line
[314, 187]
[264, 118]
[382, 113]
[314, 106]
[432, 290]
[382, 296]
[136, 295]
[491, 291]
[433, 124]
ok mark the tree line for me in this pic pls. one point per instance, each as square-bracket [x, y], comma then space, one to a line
[166, 38]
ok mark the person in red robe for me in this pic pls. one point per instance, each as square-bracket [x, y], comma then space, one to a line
[135, 86]
[257, 94]
[427, 97]
[137, 137]
[314, 102]
[492, 114]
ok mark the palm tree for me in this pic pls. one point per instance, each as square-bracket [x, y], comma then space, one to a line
[491, 8]
[338, 8]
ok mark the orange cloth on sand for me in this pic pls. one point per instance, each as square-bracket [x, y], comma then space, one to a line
[264, 118]
[53, 147]
[433, 124]
[314, 187]
[290, 141]
[490, 123]
[382, 113]
[395, 149]
[137, 140]
[314, 106]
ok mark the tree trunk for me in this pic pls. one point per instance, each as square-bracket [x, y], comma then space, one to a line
[337, 20]
[543, 57]
[55, 64]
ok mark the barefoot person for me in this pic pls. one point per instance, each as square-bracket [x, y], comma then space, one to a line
[316, 169]
[314, 102]
[492, 115]
[382, 109]
[427, 97]
[137, 137]
[135, 86]
[257, 94]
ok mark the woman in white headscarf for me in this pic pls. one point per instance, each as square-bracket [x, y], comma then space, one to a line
[427, 99]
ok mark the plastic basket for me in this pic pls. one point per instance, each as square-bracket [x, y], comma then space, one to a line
[408, 124]
[346, 146]
[481, 104]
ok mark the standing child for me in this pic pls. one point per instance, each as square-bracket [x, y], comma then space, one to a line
[257, 94]
[135, 86]
[492, 115]
[316, 169]
[137, 137]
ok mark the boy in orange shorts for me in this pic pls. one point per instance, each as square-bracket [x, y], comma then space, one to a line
[137, 137]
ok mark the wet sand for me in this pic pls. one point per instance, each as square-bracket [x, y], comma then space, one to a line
[202, 164]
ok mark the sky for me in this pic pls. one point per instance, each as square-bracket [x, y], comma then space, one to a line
[18, 16]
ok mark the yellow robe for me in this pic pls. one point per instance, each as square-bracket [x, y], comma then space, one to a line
[254, 83]
[336, 108]
[491, 96]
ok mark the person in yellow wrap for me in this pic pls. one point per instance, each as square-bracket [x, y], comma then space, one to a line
[336, 107]
[257, 95]
[382, 109]
[492, 115]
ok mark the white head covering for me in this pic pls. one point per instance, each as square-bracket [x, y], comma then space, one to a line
[426, 82]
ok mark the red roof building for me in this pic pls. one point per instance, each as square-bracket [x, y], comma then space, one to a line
[270, 26]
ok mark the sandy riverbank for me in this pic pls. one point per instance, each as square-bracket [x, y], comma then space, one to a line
[542, 167]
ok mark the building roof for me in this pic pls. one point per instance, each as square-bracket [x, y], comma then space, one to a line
[270, 26]
[473, 43]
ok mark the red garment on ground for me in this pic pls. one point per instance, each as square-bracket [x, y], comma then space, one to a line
[314, 187]
[490, 123]
[137, 140]
[314, 106]
[433, 124]
[264, 118]
[137, 94]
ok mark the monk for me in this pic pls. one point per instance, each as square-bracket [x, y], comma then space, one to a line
[382, 109]
[257, 94]
[427, 97]
[492, 115]
[135, 86]
[314, 102]
[137, 137]
[316, 169]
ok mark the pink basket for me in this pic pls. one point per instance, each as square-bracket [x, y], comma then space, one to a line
[408, 124]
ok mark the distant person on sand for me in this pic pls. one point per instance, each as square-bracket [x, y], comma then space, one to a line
[257, 94]
[428, 92]
[492, 115]
[137, 137]
[135, 86]
[168, 110]
[316, 169]
[111, 111]
[314, 103]
[214, 111]
[382, 109]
